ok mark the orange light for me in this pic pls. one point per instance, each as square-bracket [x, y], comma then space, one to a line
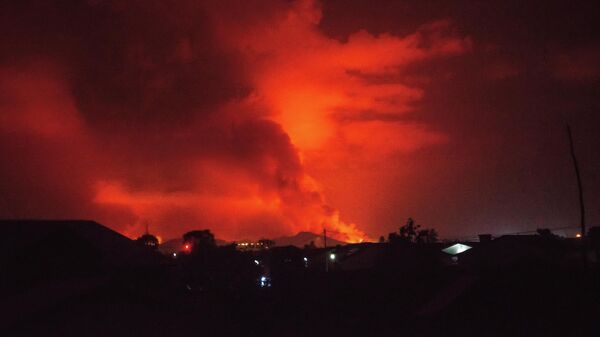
[577, 235]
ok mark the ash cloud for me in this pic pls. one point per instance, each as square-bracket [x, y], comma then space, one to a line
[268, 117]
[133, 114]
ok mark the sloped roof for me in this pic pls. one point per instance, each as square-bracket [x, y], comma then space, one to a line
[363, 256]
[114, 248]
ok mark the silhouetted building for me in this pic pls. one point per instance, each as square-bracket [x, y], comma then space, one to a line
[358, 256]
[67, 238]
[45, 262]
[250, 245]
[485, 238]
[148, 241]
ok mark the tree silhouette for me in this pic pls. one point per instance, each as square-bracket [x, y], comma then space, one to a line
[433, 236]
[408, 232]
[411, 232]
[200, 239]
[427, 236]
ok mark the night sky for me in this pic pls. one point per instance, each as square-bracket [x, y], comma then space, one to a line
[265, 118]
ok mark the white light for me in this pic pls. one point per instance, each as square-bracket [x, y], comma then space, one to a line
[264, 282]
[256, 262]
[456, 249]
[174, 254]
[332, 256]
[305, 259]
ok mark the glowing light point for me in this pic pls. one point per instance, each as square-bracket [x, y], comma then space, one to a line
[256, 262]
[174, 254]
[264, 282]
[305, 259]
[578, 235]
[332, 257]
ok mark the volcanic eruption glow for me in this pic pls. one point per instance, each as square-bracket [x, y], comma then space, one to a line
[208, 121]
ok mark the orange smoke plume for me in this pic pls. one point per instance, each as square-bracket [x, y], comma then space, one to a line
[218, 118]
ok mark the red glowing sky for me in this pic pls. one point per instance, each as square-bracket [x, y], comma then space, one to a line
[259, 119]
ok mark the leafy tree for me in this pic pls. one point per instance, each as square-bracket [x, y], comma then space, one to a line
[426, 236]
[381, 239]
[408, 232]
[393, 237]
[200, 239]
[411, 232]
[433, 236]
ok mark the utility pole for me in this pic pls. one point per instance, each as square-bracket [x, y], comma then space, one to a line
[581, 204]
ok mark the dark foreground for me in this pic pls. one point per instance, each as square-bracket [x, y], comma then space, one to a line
[344, 304]
[525, 295]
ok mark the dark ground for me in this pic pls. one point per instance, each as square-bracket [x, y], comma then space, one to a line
[525, 302]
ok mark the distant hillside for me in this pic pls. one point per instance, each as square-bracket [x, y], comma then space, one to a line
[304, 238]
[299, 240]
